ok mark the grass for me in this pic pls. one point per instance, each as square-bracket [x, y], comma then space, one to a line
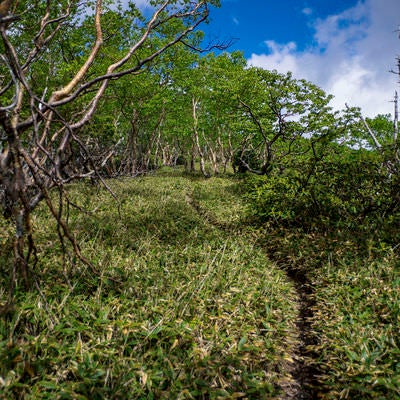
[187, 305]
[180, 309]
[356, 317]
[358, 320]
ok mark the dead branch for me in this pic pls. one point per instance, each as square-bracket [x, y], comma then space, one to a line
[369, 130]
[16, 84]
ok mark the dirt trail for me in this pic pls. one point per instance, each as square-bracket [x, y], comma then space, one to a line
[303, 372]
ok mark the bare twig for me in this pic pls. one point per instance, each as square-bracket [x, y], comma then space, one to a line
[369, 130]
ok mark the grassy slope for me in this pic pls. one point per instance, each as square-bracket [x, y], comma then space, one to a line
[188, 306]
[181, 308]
[356, 317]
[358, 321]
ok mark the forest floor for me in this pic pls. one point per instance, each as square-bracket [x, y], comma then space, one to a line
[193, 299]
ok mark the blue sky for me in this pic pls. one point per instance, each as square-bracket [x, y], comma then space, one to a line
[347, 47]
[252, 22]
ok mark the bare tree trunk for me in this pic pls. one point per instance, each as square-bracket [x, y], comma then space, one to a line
[15, 180]
[18, 206]
[152, 142]
[157, 149]
[396, 117]
[195, 103]
[231, 155]
[132, 145]
[214, 160]
[169, 157]
[192, 156]
[213, 155]
[369, 130]
[221, 159]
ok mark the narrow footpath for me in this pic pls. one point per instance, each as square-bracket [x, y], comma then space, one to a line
[303, 371]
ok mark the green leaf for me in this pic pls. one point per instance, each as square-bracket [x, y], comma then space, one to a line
[241, 343]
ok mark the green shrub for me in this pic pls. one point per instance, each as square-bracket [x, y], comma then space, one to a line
[343, 195]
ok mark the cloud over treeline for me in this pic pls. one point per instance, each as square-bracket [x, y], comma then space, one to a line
[350, 58]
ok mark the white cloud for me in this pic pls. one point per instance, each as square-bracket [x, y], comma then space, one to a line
[235, 21]
[141, 2]
[352, 57]
[307, 11]
[280, 57]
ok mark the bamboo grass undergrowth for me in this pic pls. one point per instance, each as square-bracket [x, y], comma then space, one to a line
[358, 320]
[179, 309]
[187, 305]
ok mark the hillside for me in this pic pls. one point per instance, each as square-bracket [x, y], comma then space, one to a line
[191, 299]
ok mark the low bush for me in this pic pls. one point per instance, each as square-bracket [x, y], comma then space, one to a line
[356, 196]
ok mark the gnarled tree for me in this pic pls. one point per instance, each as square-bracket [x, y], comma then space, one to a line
[57, 59]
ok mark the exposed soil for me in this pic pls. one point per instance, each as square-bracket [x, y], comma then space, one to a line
[304, 372]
